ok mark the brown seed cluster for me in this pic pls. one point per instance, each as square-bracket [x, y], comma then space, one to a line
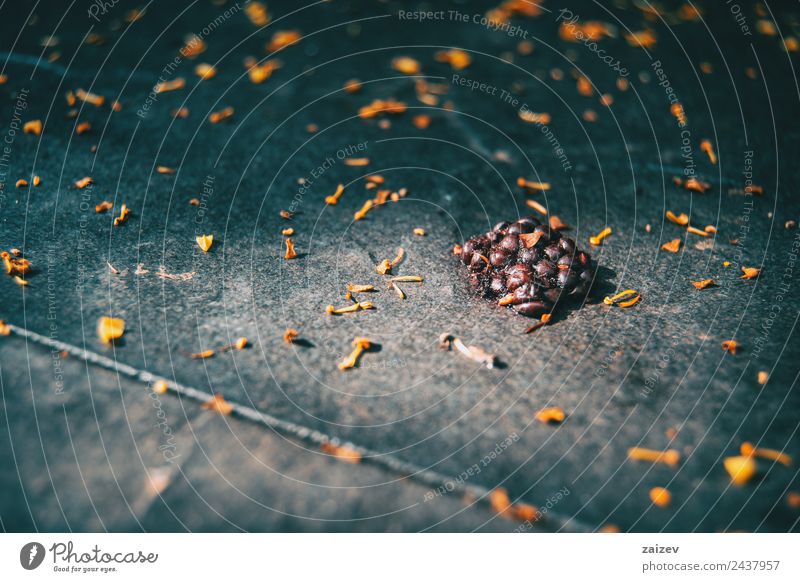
[527, 266]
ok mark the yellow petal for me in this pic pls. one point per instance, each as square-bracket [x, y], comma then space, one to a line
[110, 329]
[205, 242]
[741, 468]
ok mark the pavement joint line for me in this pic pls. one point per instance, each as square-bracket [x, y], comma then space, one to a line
[383, 460]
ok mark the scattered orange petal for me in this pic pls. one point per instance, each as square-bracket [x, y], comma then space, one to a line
[205, 241]
[553, 414]
[110, 329]
[218, 403]
[672, 246]
[660, 496]
[704, 284]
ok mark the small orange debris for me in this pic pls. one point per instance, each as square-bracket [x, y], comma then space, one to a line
[706, 146]
[103, 206]
[642, 38]
[750, 272]
[82, 127]
[537, 207]
[421, 121]
[378, 106]
[553, 414]
[704, 284]
[697, 231]
[793, 499]
[457, 58]
[221, 115]
[406, 65]
[763, 377]
[240, 343]
[160, 387]
[205, 241]
[356, 162]
[682, 218]
[589, 116]
[557, 224]
[282, 39]
[290, 252]
[34, 127]
[499, 500]
[20, 281]
[15, 266]
[598, 239]
[91, 98]
[290, 335]
[334, 198]
[202, 355]
[287, 231]
[620, 299]
[771, 454]
[363, 211]
[740, 468]
[194, 201]
[124, 214]
[669, 457]
[352, 86]
[346, 454]
[285, 214]
[532, 117]
[205, 71]
[257, 13]
[193, 46]
[419, 231]
[672, 246]
[660, 496]
[83, 182]
[457, 249]
[173, 85]
[361, 344]
[531, 185]
[730, 346]
[218, 403]
[21, 183]
[385, 266]
[5, 329]
[609, 528]
[165, 170]
[110, 329]
[37, 180]
[180, 113]
[525, 512]
[260, 73]
[585, 87]
[678, 113]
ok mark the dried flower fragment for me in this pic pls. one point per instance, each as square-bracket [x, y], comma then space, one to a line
[476, 354]
[598, 239]
[697, 231]
[553, 414]
[672, 246]
[532, 117]
[205, 241]
[407, 279]
[287, 231]
[34, 127]
[669, 457]
[203, 355]
[396, 288]
[160, 387]
[173, 85]
[623, 299]
[91, 98]
[331, 310]
[110, 329]
[346, 454]
[82, 127]
[704, 284]
[221, 115]
[283, 38]
[682, 218]
[103, 206]
[456, 58]
[285, 214]
[706, 146]
[543, 320]
[353, 288]
[290, 252]
[334, 198]
[419, 231]
[257, 13]
[557, 224]
[20, 281]
[750, 272]
[537, 207]
[165, 170]
[740, 468]
[400, 254]
[363, 211]
[730, 346]
[205, 71]
[5, 329]
[352, 86]
[499, 500]
[763, 377]
[21, 183]
[217, 403]
[406, 65]
[180, 113]
[290, 335]
[356, 162]
[124, 214]
[660, 496]
[770, 454]
[83, 182]
[421, 121]
[360, 345]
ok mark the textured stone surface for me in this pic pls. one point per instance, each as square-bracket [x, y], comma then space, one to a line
[624, 377]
